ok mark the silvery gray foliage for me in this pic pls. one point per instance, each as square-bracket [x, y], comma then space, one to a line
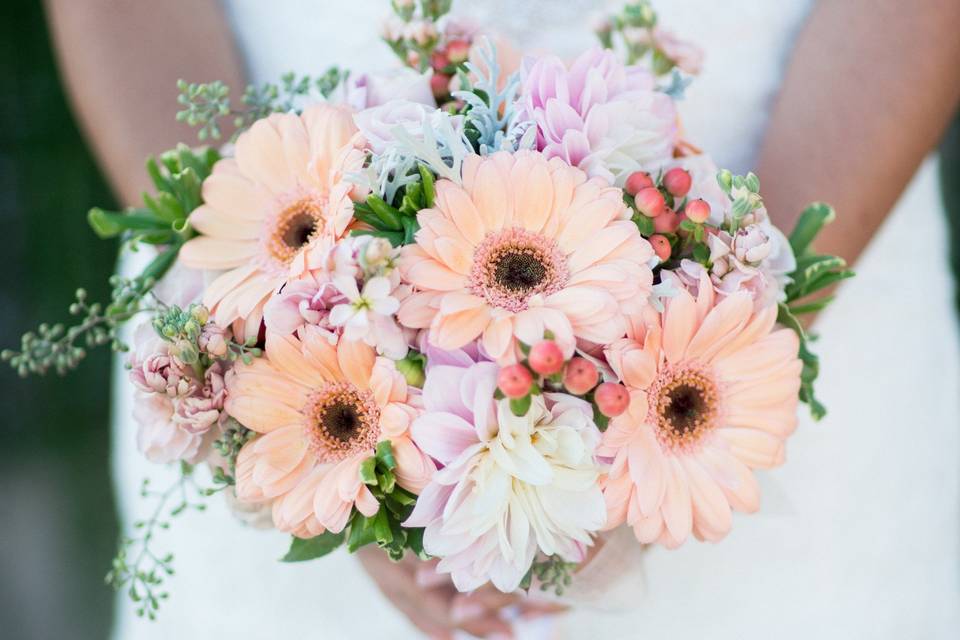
[492, 112]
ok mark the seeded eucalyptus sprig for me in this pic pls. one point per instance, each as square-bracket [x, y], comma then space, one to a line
[162, 222]
[552, 573]
[137, 567]
[206, 104]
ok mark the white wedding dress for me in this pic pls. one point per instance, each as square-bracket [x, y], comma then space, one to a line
[859, 534]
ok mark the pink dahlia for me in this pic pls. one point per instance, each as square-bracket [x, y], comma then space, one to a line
[713, 395]
[524, 245]
[321, 409]
[599, 115]
[263, 208]
[511, 486]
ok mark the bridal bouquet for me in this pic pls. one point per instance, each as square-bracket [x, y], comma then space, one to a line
[481, 309]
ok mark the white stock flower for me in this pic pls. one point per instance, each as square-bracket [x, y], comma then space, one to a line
[369, 315]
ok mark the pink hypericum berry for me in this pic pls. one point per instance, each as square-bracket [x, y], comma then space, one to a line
[439, 60]
[612, 399]
[580, 376]
[637, 181]
[678, 182]
[514, 381]
[650, 202]
[440, 84]
[458, 51]
[546, 358]
[667, 222]
[697, 210]
[661, 246]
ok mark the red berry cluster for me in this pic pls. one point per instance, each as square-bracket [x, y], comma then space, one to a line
[546, 368]
[662, 207]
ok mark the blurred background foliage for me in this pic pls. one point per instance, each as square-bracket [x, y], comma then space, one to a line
[58, 516]
[57, 513]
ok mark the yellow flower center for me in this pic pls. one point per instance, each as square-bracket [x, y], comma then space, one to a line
[341, 421]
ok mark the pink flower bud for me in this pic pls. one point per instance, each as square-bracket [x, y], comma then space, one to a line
[213, 340]
[458, 51]
[650, 202]
[546, 358]
[667, 222]
[637, 181]
[440, 84]
[514, 381]
[439, 60]
[678, 182]
[612, 399]
[580, 376]
[661, 246]
[697, 211]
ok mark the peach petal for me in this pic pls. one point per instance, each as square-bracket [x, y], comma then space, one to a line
[533, 201]
[418, 310]
[356, 359]
[455, 330]
[492, 198]
[259, 154]
[431, 275]
[456, 204]
[735, 479]
[414, 469]
[756, 449]
[710, 507]
[679, 326]
[677, 509]
[720, 326]
[206, 252]
[209, 222]
[497, 337]
[228, 192]
[284, 352]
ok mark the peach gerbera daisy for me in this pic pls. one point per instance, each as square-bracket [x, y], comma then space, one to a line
[713, 396]
[321, 410]
[263, 207]
[523, 245]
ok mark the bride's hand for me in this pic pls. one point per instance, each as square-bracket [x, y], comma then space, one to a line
[433, 604]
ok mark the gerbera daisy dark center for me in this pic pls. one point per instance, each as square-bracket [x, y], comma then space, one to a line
[512, 265]
[519, 271]
[341, 420]
[291, 229]
[684, 407]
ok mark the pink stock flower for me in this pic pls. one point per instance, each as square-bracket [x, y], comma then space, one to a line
[199, 412]
[713, 395]
[510, 486]
[321, 409]
[598, 114]
[159, 437]
[213, 340]
[524, 245]
[153, 369]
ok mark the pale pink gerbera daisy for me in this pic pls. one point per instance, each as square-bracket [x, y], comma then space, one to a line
[321, 409]
[713, 395]
[262, 208]
[524, 245]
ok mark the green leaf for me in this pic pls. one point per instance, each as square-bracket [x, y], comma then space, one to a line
[307, 549]
[368, 471]
[809, 224]
[644, 225]
[361, 532]
[381, 527]
[811, 307]
[387, 214]
[386, 480]
[109, 224]
[426, 177]
[159, 180]
[520, 406]
[701, 254]
[165, 206]
[385, 455]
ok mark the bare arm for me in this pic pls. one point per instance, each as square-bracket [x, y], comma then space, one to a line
[121, 61]
[869, 91]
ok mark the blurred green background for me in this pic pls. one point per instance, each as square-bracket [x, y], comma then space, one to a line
[58, 517]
